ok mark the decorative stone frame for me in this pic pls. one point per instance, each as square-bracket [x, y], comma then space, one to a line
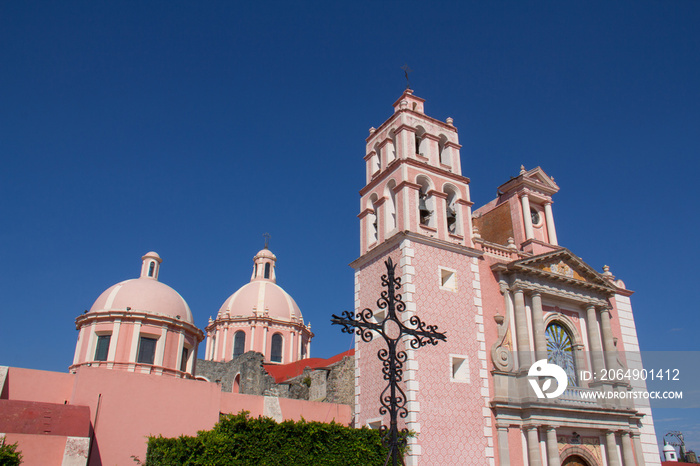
[576, 450]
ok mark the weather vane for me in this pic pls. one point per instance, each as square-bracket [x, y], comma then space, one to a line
[267, 239]
[407, 70]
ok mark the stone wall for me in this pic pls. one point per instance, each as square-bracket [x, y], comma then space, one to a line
[332, 384]
[254, 379]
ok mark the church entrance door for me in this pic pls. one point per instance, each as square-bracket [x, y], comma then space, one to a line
[575, 460]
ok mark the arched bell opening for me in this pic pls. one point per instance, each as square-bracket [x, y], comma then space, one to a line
[426, 203]
[452, 212]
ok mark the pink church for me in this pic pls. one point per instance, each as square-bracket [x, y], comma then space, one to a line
[496, 280]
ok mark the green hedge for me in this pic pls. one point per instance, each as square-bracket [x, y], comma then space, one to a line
[9, 456]
[240, 440]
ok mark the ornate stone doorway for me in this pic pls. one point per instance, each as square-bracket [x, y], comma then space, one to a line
[575, 460]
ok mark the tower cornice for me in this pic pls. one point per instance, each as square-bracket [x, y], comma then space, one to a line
[417, 164]
[396, 239]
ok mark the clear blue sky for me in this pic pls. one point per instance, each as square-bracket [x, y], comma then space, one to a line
[191, 128]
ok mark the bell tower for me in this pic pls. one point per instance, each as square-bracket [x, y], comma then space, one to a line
[415, 208]
[414, 179]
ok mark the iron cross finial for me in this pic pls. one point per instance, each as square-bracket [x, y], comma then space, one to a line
[267, 239]
[407, 70]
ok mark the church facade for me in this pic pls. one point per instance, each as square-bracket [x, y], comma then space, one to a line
[510, 299]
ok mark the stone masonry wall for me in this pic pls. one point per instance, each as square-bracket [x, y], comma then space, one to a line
[332, 384]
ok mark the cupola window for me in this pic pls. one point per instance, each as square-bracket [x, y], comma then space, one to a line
[560, 350]
[239, 343]
[151, 269]
[183, 362]
[102, 349]
[276, 348]
[267, 270]
[147, 350]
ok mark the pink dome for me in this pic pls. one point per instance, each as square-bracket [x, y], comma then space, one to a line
[265, 253]
[261, 296]
[144, 295]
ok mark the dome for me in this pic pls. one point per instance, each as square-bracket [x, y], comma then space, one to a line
[262, 296]
[265, 254]
[144, 295]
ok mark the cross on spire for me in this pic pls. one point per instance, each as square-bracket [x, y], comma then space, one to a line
[393, 330]
[267, 239]
[407, 70]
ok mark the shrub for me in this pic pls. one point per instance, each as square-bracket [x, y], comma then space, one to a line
[240, 440]
[9, 456]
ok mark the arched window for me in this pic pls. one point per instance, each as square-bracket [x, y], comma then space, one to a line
[151, 269]
[452, 211]
[267, 270]
[560, 350]
[238, 343]
[421, 142]
[276, 348]
[236, 387]
[378, 164]
[391, 147]
[444, 151]
[372, 223]
[425, 203]
[390, 208]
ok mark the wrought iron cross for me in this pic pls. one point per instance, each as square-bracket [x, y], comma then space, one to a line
[407, 70]
[267, 239]
[393, 330]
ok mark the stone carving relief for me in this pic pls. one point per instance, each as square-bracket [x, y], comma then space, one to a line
[502, 349]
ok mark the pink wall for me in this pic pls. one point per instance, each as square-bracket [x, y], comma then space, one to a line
[315, 411]
[38, 450]
[33, 385]
[134, 406]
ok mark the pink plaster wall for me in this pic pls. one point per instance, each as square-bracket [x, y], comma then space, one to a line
[515, 445]
[38, 450]
[234, 403]
[315, 411]
[452, 430]
[40, 386]
[134, 406]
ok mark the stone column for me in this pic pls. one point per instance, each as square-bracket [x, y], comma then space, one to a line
[527, 218]
[112, 352]
[627, 453]
[533, 447]
[594, 340]
[521, 330]
[538, 327]
[552, 447]
[638, 452]
[580, 362]
[503, 450]
[608, 343]
[549, 219]
[222, 355]
[611, 447]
